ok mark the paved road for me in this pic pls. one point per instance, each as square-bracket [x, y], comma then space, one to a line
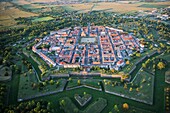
[99, 46]
[113, 48]
[77, 39]
[86, 55]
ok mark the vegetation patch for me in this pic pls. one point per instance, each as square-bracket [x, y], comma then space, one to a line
[69, 107]
[94, 83]
[5, 73]
[153, 6]
[140, 89]
[83, 100]
[30, 87]
[8, 15]
[165, 56]
[129, 109]
[97, 106]
[42, 19]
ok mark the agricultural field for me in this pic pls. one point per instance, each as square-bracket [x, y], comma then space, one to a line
[83, 8]
[116, 7]
[22, 2]
[9, 13]
[125, 8]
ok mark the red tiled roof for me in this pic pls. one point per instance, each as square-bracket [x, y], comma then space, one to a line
[120, 62]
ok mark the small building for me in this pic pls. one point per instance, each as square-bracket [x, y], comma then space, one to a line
[120, 63]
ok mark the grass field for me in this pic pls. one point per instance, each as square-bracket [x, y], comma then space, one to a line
[95, 107]
[165, 56]
[89, 82]
[143, 80]
[157, 107]
[153, 6]
[26, 89]
[127, 68]
[42, 19]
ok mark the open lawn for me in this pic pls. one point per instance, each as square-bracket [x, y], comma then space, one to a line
[95, 107]
[165, 56]
[29, 87]
[128, 68]
[88, 82]
[112, 100]
[143, 81]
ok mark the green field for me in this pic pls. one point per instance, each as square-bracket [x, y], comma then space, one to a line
[68, 8]
[27, 90]
[42, 19]
[127, 68]
[157, 107]
[165, 56]
[153, 6]
[95, 107]
[88, 82]
[143, 81]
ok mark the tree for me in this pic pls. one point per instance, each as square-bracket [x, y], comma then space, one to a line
[125, 106]
[62, 103]
[138, 54]
[130, 89]
[76, 110]
[51, 82]
[78, 82]
[51, 65]
[116, 108]
[162, 45]
[125, 86]
[144, 65]
[44, 83]
[57, 83]
[70, 79]
[84, 93]
[137, 89]
[128, 62]
[161, 65]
